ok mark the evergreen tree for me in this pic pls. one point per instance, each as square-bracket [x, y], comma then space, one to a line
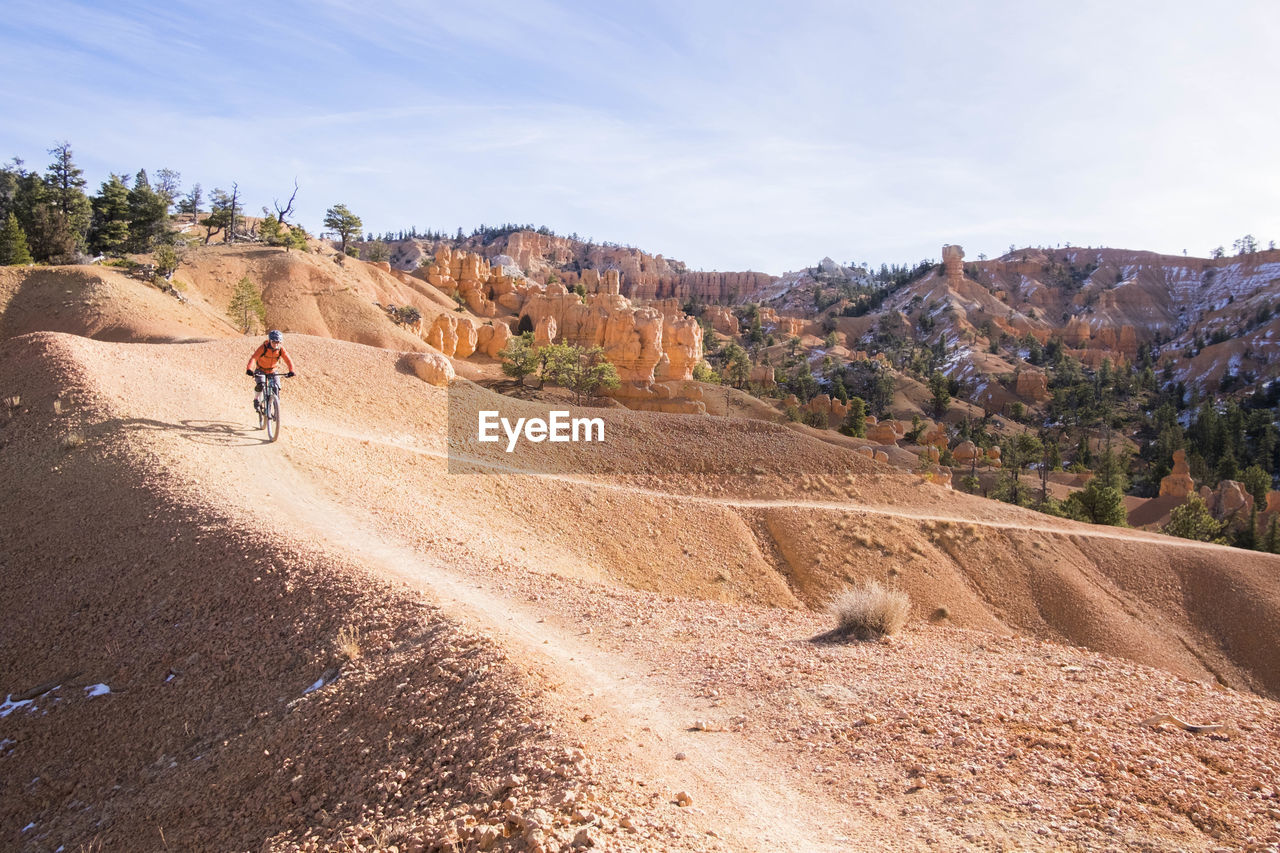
[190, 203]
[940, 388]
[297, 239]
[269, 232]
[1257, 482]
[1097, 503]
[1015, 454]
[518, 357]
[148, 213]
[1272, 542]
[1228, 467]
[69, 211]
[247, 308]
[344, 223]
[221, 216]
[737, 366]
[13, 243]
[1192, 520]
[855, 423]
[585, 372]
[168, 184]
[109, 234]
[167, 257]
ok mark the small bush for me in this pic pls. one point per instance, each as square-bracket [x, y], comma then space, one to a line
[348, 643]
[869, 611]
[817, 420]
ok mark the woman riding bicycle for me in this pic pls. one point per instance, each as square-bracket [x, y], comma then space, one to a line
[265, 358]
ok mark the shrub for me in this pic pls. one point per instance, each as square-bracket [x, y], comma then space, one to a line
[703, 372]
[406, 315]
[869, 611]
[348, 643]
[1193, 520]
[817, 420]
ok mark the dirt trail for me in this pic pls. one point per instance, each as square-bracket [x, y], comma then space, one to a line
[744, 796]
[1066, 528]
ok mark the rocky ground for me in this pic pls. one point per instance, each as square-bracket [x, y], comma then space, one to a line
[482, 681]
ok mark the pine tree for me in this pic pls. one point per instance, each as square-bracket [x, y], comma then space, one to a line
[69, 210]
[221, 215]
[247, 308]
[148, 212]
[1192, 520]
[13, 243]
[297, 239]
[518, 357]
[110, 232]
[855, 423]
[939, 386]
[344, 223]
[269, 231]
[191, 202]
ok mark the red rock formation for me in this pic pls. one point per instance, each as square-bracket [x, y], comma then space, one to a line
[882, 433]
[443, 334]
[641, 276]
[1032, 385]
[492, 339]
[953, 263]
[723, 320]
[1178, 484]
[762, 375]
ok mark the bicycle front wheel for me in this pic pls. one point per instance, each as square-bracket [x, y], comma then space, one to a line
[272, 407]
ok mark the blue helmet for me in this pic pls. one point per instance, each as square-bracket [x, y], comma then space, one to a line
[275, 336]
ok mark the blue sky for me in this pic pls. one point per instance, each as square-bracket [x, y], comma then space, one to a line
[728, 135]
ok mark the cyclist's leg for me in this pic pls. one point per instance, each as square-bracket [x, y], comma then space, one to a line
[259, 382]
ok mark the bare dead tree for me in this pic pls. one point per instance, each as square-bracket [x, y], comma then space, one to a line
[235, 199]
[287, 210]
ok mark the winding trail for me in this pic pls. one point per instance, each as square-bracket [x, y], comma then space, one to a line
[746, 799]
[1066, 528]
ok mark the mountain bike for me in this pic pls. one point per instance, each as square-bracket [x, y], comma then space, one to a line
[269, 408]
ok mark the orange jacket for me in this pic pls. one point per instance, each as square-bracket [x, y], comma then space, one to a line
[266, 356]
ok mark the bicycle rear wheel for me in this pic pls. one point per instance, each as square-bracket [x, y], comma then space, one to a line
[272, 407]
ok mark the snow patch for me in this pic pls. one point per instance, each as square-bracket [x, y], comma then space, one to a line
[9, 706]
[96, 690]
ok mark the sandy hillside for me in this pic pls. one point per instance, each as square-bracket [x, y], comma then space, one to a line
[306, 293]
[557, 655]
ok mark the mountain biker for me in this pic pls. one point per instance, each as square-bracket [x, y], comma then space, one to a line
[265, 358]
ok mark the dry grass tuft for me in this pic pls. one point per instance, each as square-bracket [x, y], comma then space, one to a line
[348, 643]
[57, 407]
[13, 402]
[72, 440]
[870, 611]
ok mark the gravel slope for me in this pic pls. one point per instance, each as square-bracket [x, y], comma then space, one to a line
[544, 659]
